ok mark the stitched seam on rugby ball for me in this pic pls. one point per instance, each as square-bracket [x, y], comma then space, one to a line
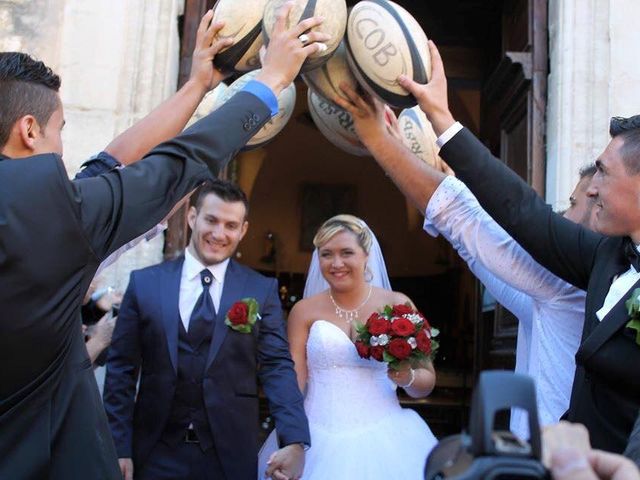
[308, 11]
[230, 57]
[419, 75]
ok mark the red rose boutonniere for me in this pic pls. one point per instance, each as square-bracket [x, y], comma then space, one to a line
[242, 315]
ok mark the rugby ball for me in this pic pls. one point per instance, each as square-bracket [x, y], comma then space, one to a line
[335, 23]
[418, 135]
[383, 42]
[243, 23]
[326, 80]
[286, 103]
[335, 124]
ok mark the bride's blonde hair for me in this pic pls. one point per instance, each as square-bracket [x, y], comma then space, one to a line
[342, 223]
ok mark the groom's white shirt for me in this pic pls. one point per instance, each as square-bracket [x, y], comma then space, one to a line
[550, 311]
[191, 285]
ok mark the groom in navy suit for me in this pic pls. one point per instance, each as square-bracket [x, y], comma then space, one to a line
[196, 412]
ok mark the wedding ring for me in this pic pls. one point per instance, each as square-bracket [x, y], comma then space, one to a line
[304, 39]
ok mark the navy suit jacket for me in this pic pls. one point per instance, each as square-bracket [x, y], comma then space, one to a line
[145, 343]
[606, 388]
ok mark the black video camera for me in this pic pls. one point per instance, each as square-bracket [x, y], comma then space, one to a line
[485, 453]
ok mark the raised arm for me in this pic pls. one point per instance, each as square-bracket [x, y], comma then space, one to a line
[415, 179]
[487, 248]
[566, 249]
[121, 205]
[169, 118]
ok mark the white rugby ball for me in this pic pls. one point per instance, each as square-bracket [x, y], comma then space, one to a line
[286, 104]
[383, 42]
[335, 124]
[326, 80]
[418, 135]
[335, 23]
[243, 23]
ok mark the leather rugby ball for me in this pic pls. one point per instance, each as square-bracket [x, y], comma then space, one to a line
[383, 42]
[335, 124]
[335, 22]
[243, 23]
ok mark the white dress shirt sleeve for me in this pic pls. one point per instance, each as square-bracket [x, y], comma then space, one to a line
[454, 212]
[448, 134]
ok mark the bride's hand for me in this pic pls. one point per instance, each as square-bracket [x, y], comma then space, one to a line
[401, 377]
[368, 114]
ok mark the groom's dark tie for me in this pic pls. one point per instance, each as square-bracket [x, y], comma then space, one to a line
[204, 312]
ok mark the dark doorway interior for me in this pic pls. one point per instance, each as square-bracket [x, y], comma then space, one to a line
[495, 54]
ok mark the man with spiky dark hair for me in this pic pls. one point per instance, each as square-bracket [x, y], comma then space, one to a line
[55, 232]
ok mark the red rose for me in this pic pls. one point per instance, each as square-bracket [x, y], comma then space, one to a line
[399, 348]
[399, 310]
[402, 327]
[363, 349]
[377, 325]
[423, 341]
[238, 313]
[376, 352]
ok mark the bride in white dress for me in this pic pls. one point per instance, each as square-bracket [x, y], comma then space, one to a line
[358, 428]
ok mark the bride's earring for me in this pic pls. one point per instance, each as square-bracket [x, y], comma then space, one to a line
[368, 276]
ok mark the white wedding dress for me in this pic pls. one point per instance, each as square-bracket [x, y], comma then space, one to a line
[358, 428]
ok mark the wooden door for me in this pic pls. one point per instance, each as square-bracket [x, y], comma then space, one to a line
[513, 125]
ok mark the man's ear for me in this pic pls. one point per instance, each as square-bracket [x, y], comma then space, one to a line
[191, 217]
[28, 131]
[245, 227]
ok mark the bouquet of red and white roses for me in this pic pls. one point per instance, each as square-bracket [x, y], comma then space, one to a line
[397, 334]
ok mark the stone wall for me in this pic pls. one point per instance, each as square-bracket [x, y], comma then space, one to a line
[117, 58]
[594, 74]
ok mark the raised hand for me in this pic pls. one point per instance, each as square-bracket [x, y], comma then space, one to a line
[208, 44]
[368, 114]
[286, 463]
[286, 53]
[432, 97]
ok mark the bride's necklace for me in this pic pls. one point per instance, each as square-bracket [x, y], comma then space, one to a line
[349, 315]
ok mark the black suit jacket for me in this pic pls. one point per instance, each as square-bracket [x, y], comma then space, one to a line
[606, 388]
[53, 234]
[145, 343]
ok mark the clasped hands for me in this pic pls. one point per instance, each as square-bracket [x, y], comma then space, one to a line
[286, 463]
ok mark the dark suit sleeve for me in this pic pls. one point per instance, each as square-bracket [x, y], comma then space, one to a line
[278, 376]
[563, 247]
[123, 366]
[118, 206]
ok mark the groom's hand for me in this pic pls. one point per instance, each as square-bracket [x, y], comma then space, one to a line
[286, 463]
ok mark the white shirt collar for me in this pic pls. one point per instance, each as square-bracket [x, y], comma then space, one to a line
[192, 267]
